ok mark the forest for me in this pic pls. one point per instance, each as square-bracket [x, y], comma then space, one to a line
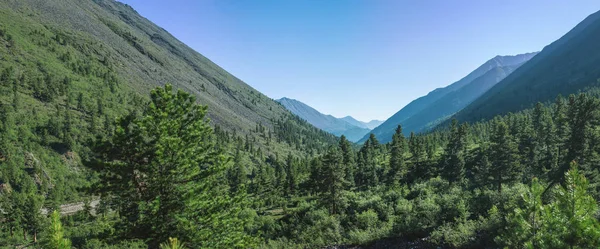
[165, 178]
[114, 134]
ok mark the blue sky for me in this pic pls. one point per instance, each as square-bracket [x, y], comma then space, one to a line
[365, 58]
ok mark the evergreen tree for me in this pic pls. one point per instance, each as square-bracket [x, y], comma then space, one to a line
[333, 180]
[291, 175]
[316, 177]
[503, 156]
[162, 175]
[525, 224]
[398, 169]
[237, 174]
[55, 235]
[570, 222]
[454, 155]
[349, 161]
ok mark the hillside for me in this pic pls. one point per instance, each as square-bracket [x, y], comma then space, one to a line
[386, 129]
[566, 66]
[139, 54]
[336, 126]
[446, 106]
[69, 69]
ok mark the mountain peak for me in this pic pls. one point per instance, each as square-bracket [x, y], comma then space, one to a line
[439, 104]
[329, 123]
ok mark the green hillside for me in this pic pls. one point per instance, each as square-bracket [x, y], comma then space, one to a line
[568, 65]
[113, 134]
[69, 69]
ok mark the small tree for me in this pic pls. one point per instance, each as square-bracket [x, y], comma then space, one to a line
[55, 237]
[333, 179]
[570, 221]
[172, 244]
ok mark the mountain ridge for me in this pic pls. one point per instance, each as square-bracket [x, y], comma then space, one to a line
[347, 126]
[385, 130]
[542, 78]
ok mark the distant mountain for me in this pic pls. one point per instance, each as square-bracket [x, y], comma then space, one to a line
[347, 126]
[369, 125]
[455, 101]
[568, 65]
[441, 103]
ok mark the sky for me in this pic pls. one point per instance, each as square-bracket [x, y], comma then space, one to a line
[364, 58]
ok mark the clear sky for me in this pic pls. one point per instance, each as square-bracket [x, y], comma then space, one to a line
[365, 58]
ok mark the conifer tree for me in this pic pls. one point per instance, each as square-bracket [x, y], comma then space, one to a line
[398, 169]
[454, 154]
[164, 177]
[349, 161]
[291, 175]
[55, 234]
[503, 156]
[570, 222]
[333, 179]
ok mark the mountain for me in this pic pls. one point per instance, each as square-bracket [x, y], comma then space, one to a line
[369, 125]
[568, 65]
[111, 40]
[497, 66]
[70, 68]
[353, 130]
[445, 107]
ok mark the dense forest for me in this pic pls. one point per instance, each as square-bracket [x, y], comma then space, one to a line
[165, 178]
[98, 151]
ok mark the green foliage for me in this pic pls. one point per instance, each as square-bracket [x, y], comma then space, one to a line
[167, 185]
[172, 244]
[568, 222]
[55, 235]
[334, 180]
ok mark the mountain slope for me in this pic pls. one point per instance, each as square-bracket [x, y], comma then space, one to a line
[69, 68]
[566, 66]
[384, 131]
[327, 123]
[369, 125]
[446, 106]
[145, 55]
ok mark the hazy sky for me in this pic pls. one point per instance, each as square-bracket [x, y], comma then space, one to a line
[364, 58]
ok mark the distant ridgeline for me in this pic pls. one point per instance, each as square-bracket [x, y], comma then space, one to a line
[347, 126]
[439, 105]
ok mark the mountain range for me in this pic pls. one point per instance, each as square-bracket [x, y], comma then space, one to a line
[348, 126]
[428, 111]
[568, 65]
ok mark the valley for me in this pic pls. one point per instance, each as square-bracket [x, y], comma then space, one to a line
[115, 134]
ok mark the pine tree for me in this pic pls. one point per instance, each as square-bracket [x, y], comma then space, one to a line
[291, 175]
[348, 159]
[525, 223]
[55, 234]
[416, 146]
[163, 175]
[237, 174]
[398, 169]
[503, 156]
[316, 176]
[454, 155]
[333, 180]
[367, 174]
[570, 222]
